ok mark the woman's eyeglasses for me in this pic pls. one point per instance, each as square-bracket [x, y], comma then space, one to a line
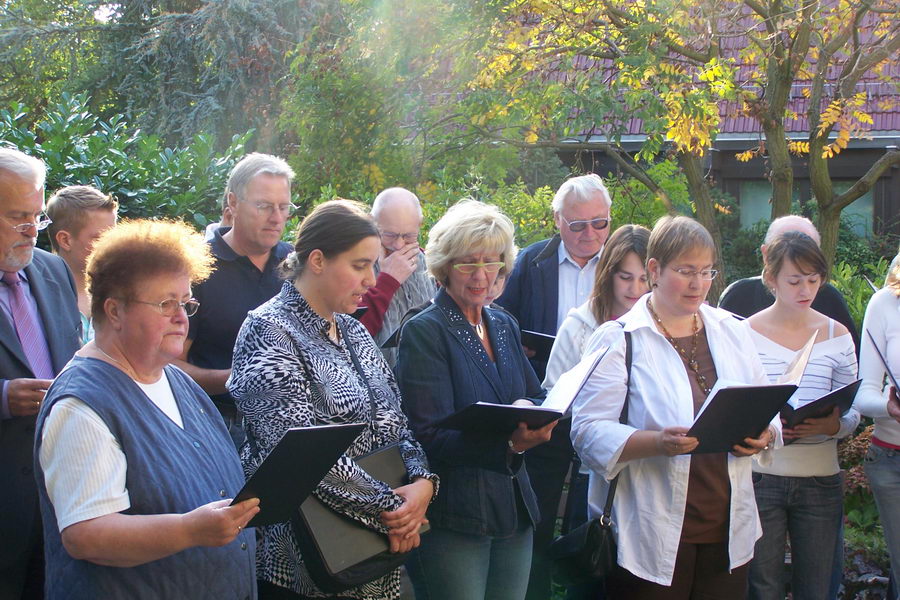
[705, 274]
[468, 268]
[170, 307]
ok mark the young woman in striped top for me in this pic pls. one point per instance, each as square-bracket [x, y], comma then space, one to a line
[799, 494]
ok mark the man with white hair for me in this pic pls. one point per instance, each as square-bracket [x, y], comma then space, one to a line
[557, 274]
[402, 281]
[247, 255]
[746, 297]
[550, 278]
[39, 332]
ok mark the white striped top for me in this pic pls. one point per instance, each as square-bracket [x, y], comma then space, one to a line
[832, 364]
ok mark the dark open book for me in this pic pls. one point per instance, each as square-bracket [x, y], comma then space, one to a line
[734, 412]
[841, 397]
[504, 418]
[541, 343]
[294, 468]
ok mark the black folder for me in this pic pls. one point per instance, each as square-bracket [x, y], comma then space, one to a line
[505, 418]
[341, 541]
[887, 369]
[841, 397]
[541, 343]
[738, 412]
[499, 418]
[294, 468]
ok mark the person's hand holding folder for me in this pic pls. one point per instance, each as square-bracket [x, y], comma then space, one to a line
[893, 405]
[403, 523]
[751, 446]
[828, 425]
[673, 441]
[523, 438]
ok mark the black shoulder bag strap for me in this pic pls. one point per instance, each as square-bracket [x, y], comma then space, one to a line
[576, 462]
[623, 418]
[358, 367]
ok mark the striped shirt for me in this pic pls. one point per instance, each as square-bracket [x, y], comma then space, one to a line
[832, 364]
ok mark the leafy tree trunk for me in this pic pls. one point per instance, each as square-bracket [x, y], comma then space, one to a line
[692, 166]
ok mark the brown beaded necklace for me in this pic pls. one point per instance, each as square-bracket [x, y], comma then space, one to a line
[692, 359]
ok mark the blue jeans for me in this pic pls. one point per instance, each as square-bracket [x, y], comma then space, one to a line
[808, 510]
[882, 467]
[458, 566]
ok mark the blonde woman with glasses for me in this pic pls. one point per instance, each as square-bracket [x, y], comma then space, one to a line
[456, 352]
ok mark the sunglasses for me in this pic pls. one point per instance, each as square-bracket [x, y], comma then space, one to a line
[597, 224]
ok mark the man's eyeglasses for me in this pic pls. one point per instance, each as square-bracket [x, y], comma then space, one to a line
[389, 237]
[43, 221]
[576, 226]
[468, 268]
[705, 274]
[267, 209]
[170, 307]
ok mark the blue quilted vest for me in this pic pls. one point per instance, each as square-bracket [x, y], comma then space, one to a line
[170, 470]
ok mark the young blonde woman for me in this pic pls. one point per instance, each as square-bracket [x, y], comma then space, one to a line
[880, 401]
[799, 494]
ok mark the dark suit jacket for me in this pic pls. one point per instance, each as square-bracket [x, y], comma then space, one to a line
[53, 288]
[443, 368]
[532, 291]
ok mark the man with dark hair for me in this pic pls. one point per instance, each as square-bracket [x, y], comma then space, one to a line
[258, 196]
[39, 333]
[80, 214]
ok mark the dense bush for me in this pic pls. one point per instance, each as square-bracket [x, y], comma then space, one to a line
[146, 178]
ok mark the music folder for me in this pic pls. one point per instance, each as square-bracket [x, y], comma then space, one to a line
[541, 343]
[734, 412]
[841, 397]
[294, 468]
[505, 418]
[887, 369]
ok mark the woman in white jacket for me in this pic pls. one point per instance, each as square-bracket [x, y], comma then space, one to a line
[880, 402]
[685, 524]
[620, 280]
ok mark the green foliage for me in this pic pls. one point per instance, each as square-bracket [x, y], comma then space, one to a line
[148, 179]
[634, 203]
[850, 279]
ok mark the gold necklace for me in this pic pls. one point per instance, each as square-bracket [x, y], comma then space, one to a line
[479, 328]
[691, 360]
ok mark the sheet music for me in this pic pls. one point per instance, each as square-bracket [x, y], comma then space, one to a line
[794, 372]
[573, 381]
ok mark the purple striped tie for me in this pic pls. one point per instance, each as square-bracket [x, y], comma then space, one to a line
[29, 332]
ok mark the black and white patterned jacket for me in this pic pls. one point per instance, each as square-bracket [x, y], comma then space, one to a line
[288, 373]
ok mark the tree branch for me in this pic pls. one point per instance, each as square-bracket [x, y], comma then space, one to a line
[865, 183]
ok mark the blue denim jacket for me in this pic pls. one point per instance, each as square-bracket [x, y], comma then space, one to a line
[442, 368]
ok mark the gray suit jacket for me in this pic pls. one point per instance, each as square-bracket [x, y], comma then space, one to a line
[53, 288]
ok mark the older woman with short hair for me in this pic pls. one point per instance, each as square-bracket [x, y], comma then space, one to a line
[135, 467]
[454, 353]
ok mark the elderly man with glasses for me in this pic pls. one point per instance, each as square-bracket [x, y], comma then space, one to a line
[247, 256]
[39, 333]
[550, 278]
[403, 283]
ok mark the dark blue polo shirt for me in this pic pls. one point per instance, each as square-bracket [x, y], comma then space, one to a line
[235, 288]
